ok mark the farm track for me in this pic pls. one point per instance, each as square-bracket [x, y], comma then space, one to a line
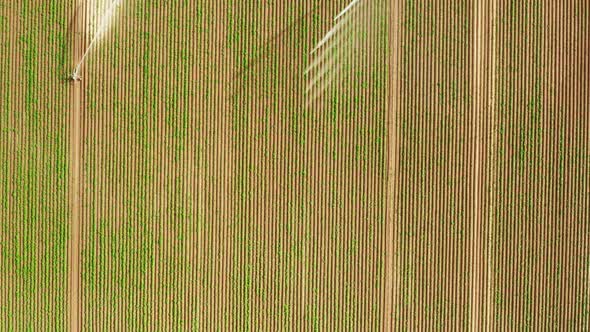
[75, 177]
[188, 183]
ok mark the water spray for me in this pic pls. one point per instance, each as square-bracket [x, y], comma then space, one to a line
[104, 23]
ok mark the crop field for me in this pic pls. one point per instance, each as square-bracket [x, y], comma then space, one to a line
[312, 165]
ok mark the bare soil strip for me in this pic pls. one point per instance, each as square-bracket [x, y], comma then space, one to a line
[74, 190]
[391, 284]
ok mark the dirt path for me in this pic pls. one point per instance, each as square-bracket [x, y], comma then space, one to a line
[74, 183]
[391, 281]
[492, 139]
[74, 239]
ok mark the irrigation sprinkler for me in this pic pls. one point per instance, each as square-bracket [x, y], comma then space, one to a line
[337, 46]
[75, 76]
[104, 24]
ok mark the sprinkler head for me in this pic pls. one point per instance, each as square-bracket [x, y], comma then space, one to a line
[75, 77]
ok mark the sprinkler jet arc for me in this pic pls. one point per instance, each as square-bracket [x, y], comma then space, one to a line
[102, 27]
[76, 74]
